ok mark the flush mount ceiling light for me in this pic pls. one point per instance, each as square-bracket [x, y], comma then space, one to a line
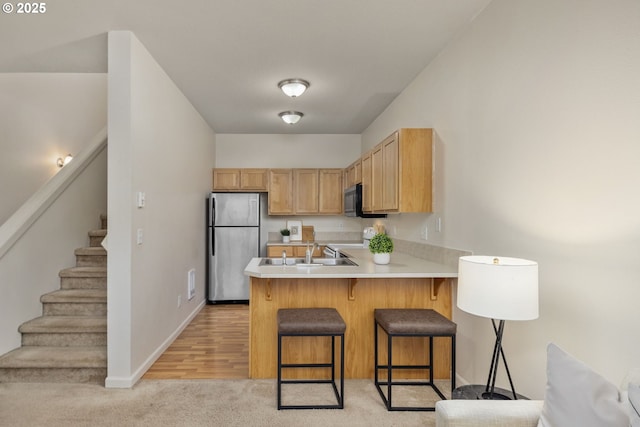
[63, 162]
[293, 87]
[291, 117]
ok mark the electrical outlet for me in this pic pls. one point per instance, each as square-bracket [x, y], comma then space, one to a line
[139, 236]
[425, 233]
[439, 225]
[179, 300]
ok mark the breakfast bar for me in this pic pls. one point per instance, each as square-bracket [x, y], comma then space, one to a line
[355, 291]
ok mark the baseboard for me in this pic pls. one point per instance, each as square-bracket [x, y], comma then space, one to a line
[129, 382]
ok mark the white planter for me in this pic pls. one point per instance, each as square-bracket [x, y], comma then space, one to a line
[286, 239]
[382, 258]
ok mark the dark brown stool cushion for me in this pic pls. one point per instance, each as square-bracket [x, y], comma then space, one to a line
[310, 321]
[413, 321]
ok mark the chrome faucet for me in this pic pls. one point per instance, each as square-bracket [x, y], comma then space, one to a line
[309, 253]
[284, 257]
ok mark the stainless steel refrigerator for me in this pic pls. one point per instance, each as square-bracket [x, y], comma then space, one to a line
[234, 238]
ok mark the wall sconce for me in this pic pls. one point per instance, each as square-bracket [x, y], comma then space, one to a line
[291, 117]
[293, 87]
[63, 162]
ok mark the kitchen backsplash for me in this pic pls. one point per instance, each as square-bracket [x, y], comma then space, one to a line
[437, 254]
[433, 253]
[327, 236]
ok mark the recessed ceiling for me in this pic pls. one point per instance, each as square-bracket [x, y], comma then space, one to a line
[228, 56]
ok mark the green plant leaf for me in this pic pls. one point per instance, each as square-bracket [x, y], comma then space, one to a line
[381, 243]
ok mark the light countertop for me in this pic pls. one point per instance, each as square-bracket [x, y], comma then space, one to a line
[304, 242]
[401, 266]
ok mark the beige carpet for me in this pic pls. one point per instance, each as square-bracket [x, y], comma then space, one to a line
[199, 403]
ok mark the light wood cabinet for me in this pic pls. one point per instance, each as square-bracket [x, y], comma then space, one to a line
[390, 172]
[281, 192]
[401, 172]
[366, 182]
[330, 191]
[377, 177]
[276, 251]
[306, 191]
[353, 174]
[293, 251]
[227, 179]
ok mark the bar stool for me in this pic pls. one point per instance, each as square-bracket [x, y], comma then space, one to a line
[312, 322]
[411, 323]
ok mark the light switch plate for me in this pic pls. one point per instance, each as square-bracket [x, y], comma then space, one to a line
[141, 199]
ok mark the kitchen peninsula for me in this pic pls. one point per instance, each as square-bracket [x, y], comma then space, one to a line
[355, 291]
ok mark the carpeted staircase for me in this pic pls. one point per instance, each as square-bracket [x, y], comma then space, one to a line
[68, 343]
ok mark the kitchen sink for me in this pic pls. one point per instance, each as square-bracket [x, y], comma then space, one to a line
[315, 262]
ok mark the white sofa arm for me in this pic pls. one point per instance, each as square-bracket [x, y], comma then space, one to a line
[488, 413]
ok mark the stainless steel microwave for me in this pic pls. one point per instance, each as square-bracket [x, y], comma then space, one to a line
[353, 203]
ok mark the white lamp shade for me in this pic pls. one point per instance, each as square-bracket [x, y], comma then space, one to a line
[291, 117]
[293, 87]
[498, 287]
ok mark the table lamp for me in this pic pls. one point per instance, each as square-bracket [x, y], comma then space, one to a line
[499, 288]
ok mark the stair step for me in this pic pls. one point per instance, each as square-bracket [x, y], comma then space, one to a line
[75, 302]
[55, 364]
[91, 257]
[65, 324]
[96, 237]
[65, 331]
[83, 278]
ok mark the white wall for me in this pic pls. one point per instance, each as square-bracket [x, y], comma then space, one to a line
[536, 108]
[286, 150]
[292, 151]
[159, 145]
[44, 116]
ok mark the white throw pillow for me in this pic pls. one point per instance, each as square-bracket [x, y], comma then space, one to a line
[577, 396]
[634, 405]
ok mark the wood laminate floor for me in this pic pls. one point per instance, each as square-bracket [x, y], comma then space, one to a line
[215, 345]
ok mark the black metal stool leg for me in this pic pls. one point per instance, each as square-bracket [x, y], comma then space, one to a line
[389, 371]
[279, 371]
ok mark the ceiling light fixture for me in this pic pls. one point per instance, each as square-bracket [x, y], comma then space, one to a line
[293, 87]
[291, 117]
[63, 162]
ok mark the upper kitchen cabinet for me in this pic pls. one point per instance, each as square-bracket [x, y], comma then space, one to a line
[401, 173]
[225, 179]
[353, 174]
[305, 191]
[318, 191]
[366, 166]
[281, 192]
[330, 194]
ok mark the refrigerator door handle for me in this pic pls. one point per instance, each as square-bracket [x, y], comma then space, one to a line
[213, 211]
[213, 241]
[213, 225]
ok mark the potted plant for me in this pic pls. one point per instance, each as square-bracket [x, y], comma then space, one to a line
[381, 247]
[285, 235]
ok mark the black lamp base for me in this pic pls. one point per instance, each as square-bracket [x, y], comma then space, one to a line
[478, 392]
